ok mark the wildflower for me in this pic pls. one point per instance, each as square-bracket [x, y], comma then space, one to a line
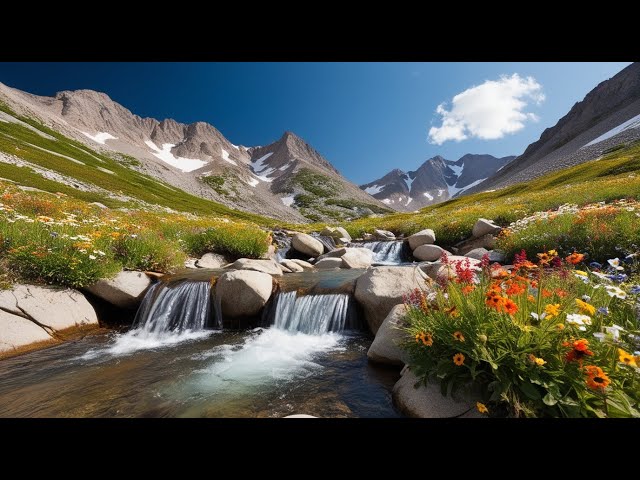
[552, 310]
[561, 293]
[614, 330]
[613, 291]
[579, 349]
[536, 360]
[635, 290]
[603, 310]
[92, 257]
[467, 289]
[579, 320]
[585, 307]
[552, 253]
[531, 298]
[626, 358]
[595, 265]
[458, 336]
[544, 258]
[510, 306]
[560, 327]
[453, 311]
[425, 338]
[495, 301]
[615, 263]
[580, 273]
[575, 258]
[596, 378]
[516, 289]
[458, 359]
[546, 293]
[618, 277]
[482, 408]
[538, 317]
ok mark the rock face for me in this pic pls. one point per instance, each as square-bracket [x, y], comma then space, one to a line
[329, 263]
[306, 244]
[357, 258]
[16, 332]
[264, 266]
[53, 308]
[423, 237]
[293, 266]
[243, 293]
[429, 253]
[125, 290]
[427, 401]
[380, 289]
[212, 260]
[484, 227]
[385, 347]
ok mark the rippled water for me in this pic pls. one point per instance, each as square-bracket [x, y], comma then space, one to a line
[262, 373]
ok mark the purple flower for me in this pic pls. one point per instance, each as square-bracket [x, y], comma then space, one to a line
[595, 265]
[618, 277]
[603, 311]
[635, 290]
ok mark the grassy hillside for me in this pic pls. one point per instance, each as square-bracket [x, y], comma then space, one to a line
[74, 159]
[614, 176]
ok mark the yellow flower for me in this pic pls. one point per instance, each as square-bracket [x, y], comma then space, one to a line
[626, 358]
[552, 253]
[458, 359]
[539, 361]
[458, 336]
[552, 310]
[585, 307]
[482, 408]
[560, 326]
[580, 272]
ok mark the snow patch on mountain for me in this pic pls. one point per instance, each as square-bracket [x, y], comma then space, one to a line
[225, 157]
[374, 189]
[181, 163]
[100, 137]
[288, 201]
[428, 195]
[454, 190]
[631, 123]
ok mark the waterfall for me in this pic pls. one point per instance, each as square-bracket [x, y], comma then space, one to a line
[388, 253]
[314, 314]
[175, 307]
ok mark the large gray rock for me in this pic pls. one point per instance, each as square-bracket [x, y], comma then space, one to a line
[16, 332]
[338, 233]
[336, 252]
[264, 266]
[357, 258]
[487, 241]
[292, 266]
[329, 263]
[386, 346]
[53, 308]
[429, 253]
[212, 260]
[484, 227]
[384, 234]
[423, 237]
[432, 269]
[368, 237]
[243, 293]
[494, 255]
[306, 266]
[125, 290]
[306, 244]
[427, 401]
[380, 289]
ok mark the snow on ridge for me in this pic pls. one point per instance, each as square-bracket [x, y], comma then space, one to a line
[258, 164]
[440, 192]
[429, 197]
[408, 202]
[631, 123]
[453, 190]
[387, 201]
[253, 182]
[374, 189]
[100, 137]
[234, 146]
[409, 181]
[288, 201]
[181, 163]
[457, 170]
[225, 157]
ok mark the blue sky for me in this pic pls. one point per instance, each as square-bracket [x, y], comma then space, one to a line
[365, 118]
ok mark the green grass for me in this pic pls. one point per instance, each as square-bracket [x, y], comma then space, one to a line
[24, 143]
[216, 182]
[612, 177]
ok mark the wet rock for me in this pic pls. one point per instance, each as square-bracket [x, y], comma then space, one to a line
[292, 266]
[16, 332]
[385, 347]
[357, 258]
[243, 293]
[125, 290]
[423, 237]
[306, 244]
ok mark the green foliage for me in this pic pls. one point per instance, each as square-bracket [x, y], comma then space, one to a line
[315, 183]
[526, 366]
[304, 200]
[234, 239]
[148, 251]
[216, 182]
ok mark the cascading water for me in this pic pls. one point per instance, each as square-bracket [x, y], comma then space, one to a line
[314, 314]
[387, 253]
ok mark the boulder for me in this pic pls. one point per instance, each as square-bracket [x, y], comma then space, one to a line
[384, 234]
[477, 253]
[336, 252]
[243, 293]
[190, 263]
[484, 227]
[427, 401]
[16, 332]
[380, 289]
[284, 269]
[429, 253]
[494, 255]
[292, 266]
[306, 266]
[306, 244]
[328, 263]
[357, 258]
[344, 235]
[385, 347]
[487, 242]
[264, 266]
[432, 268]
[338, 233]
[423, 237]
[125, 290]
[367, 237]
[53, 308]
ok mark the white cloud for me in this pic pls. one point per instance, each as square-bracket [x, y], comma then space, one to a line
[488, 111]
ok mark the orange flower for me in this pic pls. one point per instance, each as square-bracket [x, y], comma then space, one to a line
[458, 359]
[579, 350]
[596, 378]
[585, 307]
[458, 336]
[453, 311]
[531, 298]
[510, 306]
[467, 289]
[546, 293]
[561, 293]
[544, 258]
[482, 408]
[425, 338]
[516, 289]
[575, 258]
[496, 302]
